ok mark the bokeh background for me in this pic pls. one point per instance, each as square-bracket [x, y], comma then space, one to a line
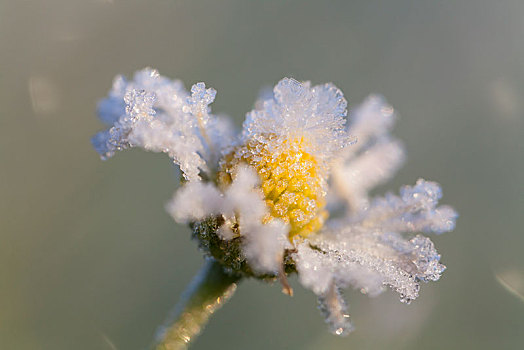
[90, 260]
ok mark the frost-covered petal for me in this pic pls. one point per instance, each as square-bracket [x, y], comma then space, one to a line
[315, 272]
[353, 180]
[372, 160]
[199, 101]
[264, 246]
[222, 134]
[138, 111]
[171, 95]
[318, 273]
[415, 210]
[318, 269]
[159, 115]
[195, 201]
[372, 120]
[387, 257]
[333, 307]
[244, 200]
[297, 112]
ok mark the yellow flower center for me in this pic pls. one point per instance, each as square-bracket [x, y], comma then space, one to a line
[290, 180]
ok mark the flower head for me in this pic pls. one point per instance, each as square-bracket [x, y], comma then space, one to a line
[259, 202]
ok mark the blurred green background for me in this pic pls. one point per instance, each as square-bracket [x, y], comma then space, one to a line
[90, 260]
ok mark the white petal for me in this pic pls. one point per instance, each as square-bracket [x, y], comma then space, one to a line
[353, 180]
[333, 307]
[315, 269]
[367, 258]
[297, 111]
[414, 211]
[159, 115]
[244, 199]
[371, 120]
[264, 246]
[195, 201]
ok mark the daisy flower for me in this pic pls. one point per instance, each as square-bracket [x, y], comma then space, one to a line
[290, 192]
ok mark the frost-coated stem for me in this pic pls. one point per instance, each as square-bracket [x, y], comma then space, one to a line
[206, 293]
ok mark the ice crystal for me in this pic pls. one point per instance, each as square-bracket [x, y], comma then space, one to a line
[257, 200]
[299, 112]
[373, 159]
[333, 307]
[414, 211]
[159, 115]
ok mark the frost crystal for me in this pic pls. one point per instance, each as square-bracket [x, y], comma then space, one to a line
[299, 112]
[157, 114]
[374, 158]
[415, 210]
[258, 199]
[333, 308]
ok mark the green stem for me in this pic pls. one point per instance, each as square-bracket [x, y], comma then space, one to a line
[206, 293]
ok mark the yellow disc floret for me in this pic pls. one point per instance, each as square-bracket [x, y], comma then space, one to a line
[291, 182]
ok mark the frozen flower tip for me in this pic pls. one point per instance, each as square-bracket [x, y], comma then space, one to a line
[259, 202]
[298, 115]
[157, 114]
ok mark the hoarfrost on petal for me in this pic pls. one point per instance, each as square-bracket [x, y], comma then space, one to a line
[414, 211]
[372, 120]
[315, 269]
[373, 167]
[195, 201]
[199, 101]
[333, 307]
[198, 200]
[159, 115]
[318, 268]
[388, 258]
[139, 104]
[244, 200]
[222, 134]
[298, 112]
[372, 160]
[264, 246]
[138, 110]
[426, 259]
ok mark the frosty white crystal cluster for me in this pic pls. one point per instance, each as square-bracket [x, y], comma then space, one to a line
[159, 115]
[259, 201]
[299, 111]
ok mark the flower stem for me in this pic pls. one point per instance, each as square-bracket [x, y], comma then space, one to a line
[206, 293]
